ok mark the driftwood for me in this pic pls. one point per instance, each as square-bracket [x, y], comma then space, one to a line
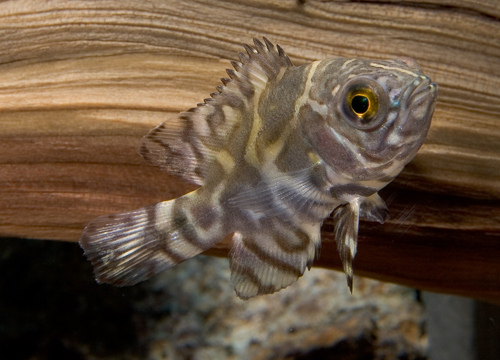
[82, 81]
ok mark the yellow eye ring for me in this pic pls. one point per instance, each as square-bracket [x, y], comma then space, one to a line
[363, 103]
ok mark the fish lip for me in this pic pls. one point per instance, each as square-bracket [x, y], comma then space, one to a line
[425, 90]
[420, 94]
[421, 104]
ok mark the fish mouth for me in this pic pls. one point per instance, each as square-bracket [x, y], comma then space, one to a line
[424, 91]
[422, 96]
[414, 119]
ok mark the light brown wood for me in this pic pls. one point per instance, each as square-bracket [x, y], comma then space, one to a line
[82, 81]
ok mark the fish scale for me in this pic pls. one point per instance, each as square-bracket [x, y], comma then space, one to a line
[276, 150]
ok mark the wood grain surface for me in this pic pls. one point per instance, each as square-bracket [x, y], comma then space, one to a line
[82, 81]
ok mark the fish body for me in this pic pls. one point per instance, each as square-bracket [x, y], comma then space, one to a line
[275, 151]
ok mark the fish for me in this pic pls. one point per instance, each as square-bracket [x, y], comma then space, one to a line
[275, 151]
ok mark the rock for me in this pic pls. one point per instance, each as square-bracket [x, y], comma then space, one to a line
[198, 316]
[51, 308]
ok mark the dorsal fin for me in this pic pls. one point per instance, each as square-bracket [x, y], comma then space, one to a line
[206, 128]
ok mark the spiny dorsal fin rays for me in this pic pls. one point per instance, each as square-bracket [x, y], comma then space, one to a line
[346, 235]
[189, 152]
[270, 58]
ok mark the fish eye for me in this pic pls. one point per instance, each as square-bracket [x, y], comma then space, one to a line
[364, 103]
[360, 104]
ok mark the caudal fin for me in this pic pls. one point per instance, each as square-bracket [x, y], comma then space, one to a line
[131, 247]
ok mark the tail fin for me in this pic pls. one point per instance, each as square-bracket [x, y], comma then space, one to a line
[131, 247]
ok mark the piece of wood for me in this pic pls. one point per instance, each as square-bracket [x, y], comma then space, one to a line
[82, 81]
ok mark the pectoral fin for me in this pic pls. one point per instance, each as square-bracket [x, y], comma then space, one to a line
[373, 208]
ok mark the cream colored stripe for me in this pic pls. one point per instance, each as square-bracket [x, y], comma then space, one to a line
[305, 95]
[251, 153]
[344, 65]
[394, 68]
[273, 150]
[226, 160]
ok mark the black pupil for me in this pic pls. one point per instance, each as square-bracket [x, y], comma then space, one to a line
[360, 104]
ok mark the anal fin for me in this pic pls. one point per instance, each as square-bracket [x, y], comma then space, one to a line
[269, 260]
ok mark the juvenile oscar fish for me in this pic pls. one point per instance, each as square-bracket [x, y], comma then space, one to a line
[275, 151]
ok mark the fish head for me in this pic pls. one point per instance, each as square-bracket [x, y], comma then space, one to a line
[375, 116]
